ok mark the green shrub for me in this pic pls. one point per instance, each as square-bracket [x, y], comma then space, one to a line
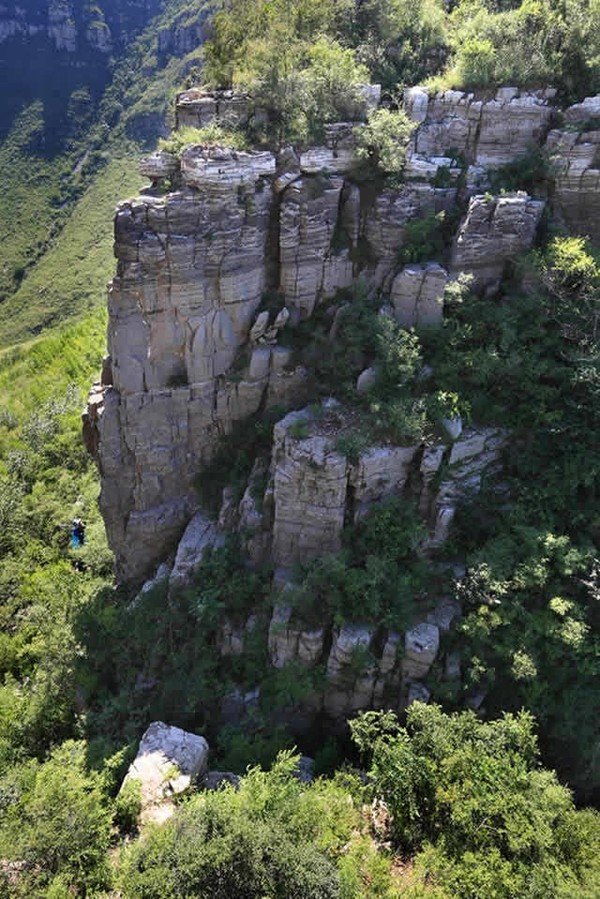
[526, 44]
[299, 430]
[56, 821]
[351, 444]
[426, 238]
[127, 806]
[274, 837]
[211, 135]
[490, 820]
[382, 142]
[376, 578]
[528, 172]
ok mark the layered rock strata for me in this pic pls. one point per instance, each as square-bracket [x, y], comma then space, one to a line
[575, 162]
[190, 355]
[494, 233]
[485, 133]
[193, 353]
[417, 295]
[365, 666]
[313, 490]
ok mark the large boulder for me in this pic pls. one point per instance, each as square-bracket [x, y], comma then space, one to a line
[168, 760]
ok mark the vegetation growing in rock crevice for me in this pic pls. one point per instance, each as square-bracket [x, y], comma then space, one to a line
[376, 578]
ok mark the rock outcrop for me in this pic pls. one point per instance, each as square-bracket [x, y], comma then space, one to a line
[313, 490]
[195, 350]
[191, 352]
[575, 167]
[200, 535]
[168, 760]
[365, 666]
[72, 27]
[221, 265]
[494, 233]
[483, 132]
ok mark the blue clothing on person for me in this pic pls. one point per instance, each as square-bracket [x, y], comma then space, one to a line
[77, 533]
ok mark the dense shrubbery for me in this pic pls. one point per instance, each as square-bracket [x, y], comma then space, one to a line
[489, 821]
[302, 61]
[210, 136]
[381, 143]
[527, 44]
[274, 837]
[54, 822]
[377, 576]
[288, 57]
[530, 363]
[392, 408]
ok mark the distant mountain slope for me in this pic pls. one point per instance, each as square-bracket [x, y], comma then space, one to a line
[70, 172]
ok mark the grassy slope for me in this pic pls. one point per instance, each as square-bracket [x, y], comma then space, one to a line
[31, 193]
[70, 279]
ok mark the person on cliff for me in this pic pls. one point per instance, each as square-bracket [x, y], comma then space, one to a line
[77, 533]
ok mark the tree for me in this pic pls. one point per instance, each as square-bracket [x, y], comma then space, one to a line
[471, 795]
[54, 820]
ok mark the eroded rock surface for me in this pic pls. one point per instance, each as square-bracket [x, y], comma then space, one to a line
[417, 295]
[200, 535]
[575, 165]
[494, 233]
[193, 266]
[487, 133]
[167, 761]
[194, 350]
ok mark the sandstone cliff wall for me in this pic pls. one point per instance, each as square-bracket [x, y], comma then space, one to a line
[193, 351]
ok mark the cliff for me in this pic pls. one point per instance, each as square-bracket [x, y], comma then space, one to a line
[219, 263]
[69, 26]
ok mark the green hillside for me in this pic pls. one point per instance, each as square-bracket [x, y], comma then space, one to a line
[445, 803]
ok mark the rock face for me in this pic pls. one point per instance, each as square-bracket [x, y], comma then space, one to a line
[196, 108]
[167, 761]
[495, 231]
[313, 490]
[191, 352]
[195, 350]
[486, 133]
[70, 26]
[365, 666]
[310, 483]
[310, 267]
[475, 455]
[575, 165]
[218, 263]
[200, 535]
[417, 295]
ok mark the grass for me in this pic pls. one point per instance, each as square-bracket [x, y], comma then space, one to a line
[32, 193]
[70, 279]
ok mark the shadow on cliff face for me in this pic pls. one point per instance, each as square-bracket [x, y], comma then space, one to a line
[51, 78]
